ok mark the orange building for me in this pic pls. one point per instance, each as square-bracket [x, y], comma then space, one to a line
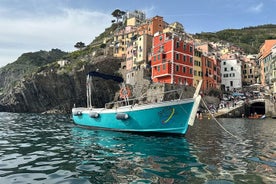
[265, 50]
[217, 71]
[208, 66]
[172, 59]
[151, 26]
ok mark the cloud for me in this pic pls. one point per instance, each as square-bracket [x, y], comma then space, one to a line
[26, 32]
[149, 11]
[256, 8]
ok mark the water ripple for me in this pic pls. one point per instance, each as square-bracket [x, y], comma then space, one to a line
[51, 149]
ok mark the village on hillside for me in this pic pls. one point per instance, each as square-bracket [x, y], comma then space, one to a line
[164, 53]
[174, 57]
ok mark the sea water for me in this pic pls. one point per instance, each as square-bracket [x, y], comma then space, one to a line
[37, 148]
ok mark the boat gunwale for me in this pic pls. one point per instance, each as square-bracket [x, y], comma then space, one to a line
[136, 107]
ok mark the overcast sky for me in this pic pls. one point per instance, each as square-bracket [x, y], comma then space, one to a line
[33, 25]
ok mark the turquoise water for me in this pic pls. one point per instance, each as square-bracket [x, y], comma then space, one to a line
[46, 149]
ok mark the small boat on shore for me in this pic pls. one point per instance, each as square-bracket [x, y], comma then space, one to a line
[257, 116]
[172, 116]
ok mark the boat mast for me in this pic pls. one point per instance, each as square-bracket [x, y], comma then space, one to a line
[89, 91]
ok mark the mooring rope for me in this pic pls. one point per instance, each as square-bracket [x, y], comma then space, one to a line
[204, 103]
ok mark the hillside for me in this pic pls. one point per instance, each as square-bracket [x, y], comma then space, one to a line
[249, 38]
[26, 64]
[36, 83]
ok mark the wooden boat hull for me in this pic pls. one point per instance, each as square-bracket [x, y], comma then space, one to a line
[163, 117]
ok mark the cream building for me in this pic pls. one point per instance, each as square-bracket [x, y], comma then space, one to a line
[197, 67]
[231, 68]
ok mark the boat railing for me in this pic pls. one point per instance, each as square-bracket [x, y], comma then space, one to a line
[146, 99]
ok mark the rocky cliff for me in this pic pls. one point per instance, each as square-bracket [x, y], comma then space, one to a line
[58, 89]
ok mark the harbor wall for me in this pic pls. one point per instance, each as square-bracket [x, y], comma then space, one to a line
[270, 108]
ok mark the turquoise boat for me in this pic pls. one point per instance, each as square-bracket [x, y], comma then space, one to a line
[172, 116]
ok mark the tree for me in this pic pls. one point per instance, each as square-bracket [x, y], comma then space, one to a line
[79, 45]
[118, 14]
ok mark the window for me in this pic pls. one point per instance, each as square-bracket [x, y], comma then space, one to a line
[225, 69]
[232, 68]
[158, 68]
[191, 59]
[224, 63]
[184, 58]
[191, 71]
[191, 48]
[231, 83]
[176, 68]
[160, 38]
[164, 67]
[177, 56]
[196, 63]
[184, 46]
[177, 44]
[184, 69]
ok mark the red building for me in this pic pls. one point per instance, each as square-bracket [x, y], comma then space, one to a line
[211, 72]
[172, 59]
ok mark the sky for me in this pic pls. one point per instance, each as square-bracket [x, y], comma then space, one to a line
[34, 25]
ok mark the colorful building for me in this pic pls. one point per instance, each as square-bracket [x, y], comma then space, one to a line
[141, 47]
[151, 26]
[198, 74]
[273, 71]
[134, 18]
[231, 67]
[137, 56]
[249, 70]
[172, 59]
[265, 60]
[208, 73]
[122, 38]
[217, 71]
[129, 57]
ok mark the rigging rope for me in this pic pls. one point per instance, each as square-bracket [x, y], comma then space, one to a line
[204, 103]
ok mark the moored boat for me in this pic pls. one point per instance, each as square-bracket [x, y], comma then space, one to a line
[171, 116]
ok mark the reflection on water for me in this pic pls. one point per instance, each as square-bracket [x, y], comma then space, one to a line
[249, 158]
[51, 149]
[130, 157]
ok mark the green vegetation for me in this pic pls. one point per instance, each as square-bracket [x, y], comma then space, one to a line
[30, 62]
[27, 64]
[118, 14]
[249, 39]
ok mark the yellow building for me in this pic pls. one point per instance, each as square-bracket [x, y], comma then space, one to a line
[141, 47]
[175, 27]
[197, 67]
[135, 18]
[122, 39]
